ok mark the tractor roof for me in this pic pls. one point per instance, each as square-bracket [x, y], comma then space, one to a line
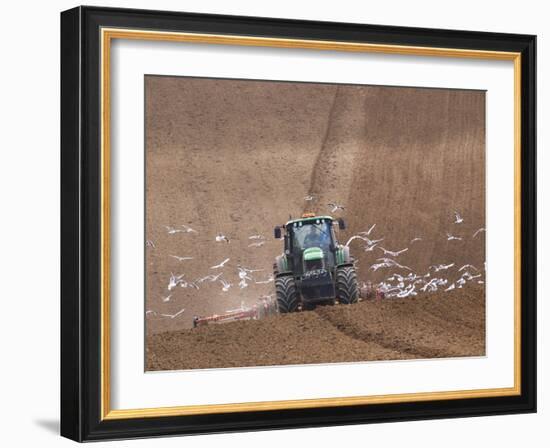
[309, 219]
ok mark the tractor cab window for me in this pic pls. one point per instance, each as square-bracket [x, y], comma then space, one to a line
[316, 233]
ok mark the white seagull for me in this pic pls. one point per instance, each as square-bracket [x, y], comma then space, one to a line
[458, 218]
[367, 233]
[172, 230]
[181, 258]
[393, 254]
[408, 291]
[189, 285]
[210, 278]
[257, 244]
[225, 285]
[220, 237]
[221, 265]
[174, 281]
[243, 275]
[451, 237]
[388, 263]
[243, 269]
[468, 266]
[365, 239]
[478, 231]
[334, 207]
[450, 288]
[433, 284]
[173, 316]
[188, 229]
[441, 267]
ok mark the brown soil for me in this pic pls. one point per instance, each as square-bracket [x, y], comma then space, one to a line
[432, 326]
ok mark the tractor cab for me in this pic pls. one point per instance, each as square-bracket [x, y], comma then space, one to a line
[310, 242]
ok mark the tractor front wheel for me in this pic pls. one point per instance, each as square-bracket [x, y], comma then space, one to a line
[346, 285]
[287, 295]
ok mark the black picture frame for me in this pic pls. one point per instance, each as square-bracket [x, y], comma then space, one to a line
[81, 224]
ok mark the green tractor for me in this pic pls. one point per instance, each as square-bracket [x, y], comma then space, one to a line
[314, 268]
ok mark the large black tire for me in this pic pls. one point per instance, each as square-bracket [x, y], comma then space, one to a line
[346, 285]
[287, 295]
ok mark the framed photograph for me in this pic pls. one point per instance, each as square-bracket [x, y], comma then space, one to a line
[272, 223]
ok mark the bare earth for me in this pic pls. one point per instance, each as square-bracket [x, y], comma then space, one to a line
[238, 157]
[431, 326]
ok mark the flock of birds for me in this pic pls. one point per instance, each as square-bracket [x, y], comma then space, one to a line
[403, 281]
[245, 275]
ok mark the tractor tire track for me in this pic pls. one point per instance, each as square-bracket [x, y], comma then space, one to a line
[342, 324]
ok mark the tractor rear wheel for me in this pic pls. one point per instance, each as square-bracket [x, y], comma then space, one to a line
[287, 295]
[346, 285]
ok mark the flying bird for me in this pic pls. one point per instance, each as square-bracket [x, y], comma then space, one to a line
[173, 316]
[188, 229]
[174, 281]
[242, 268]
[365, 239]
[408, 291]
[181, 258]
[451, 237]
[172, 230]
[416, 238]
[478, 231]
[433, 284]
[441, 267]
[257, 244]
[149, 243]
[167, 298]
[220, 237]
[189, 285]
[467, 276]
[243, 275]
[334, 207]
[256, 237]
[458, 218]
[221, 265]
[309, 197]
[468, 266]
[450, 288]
[225, 285]
[210, 278]
[393, 254]
[388, 263]
[357, 237]
[367, 233]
